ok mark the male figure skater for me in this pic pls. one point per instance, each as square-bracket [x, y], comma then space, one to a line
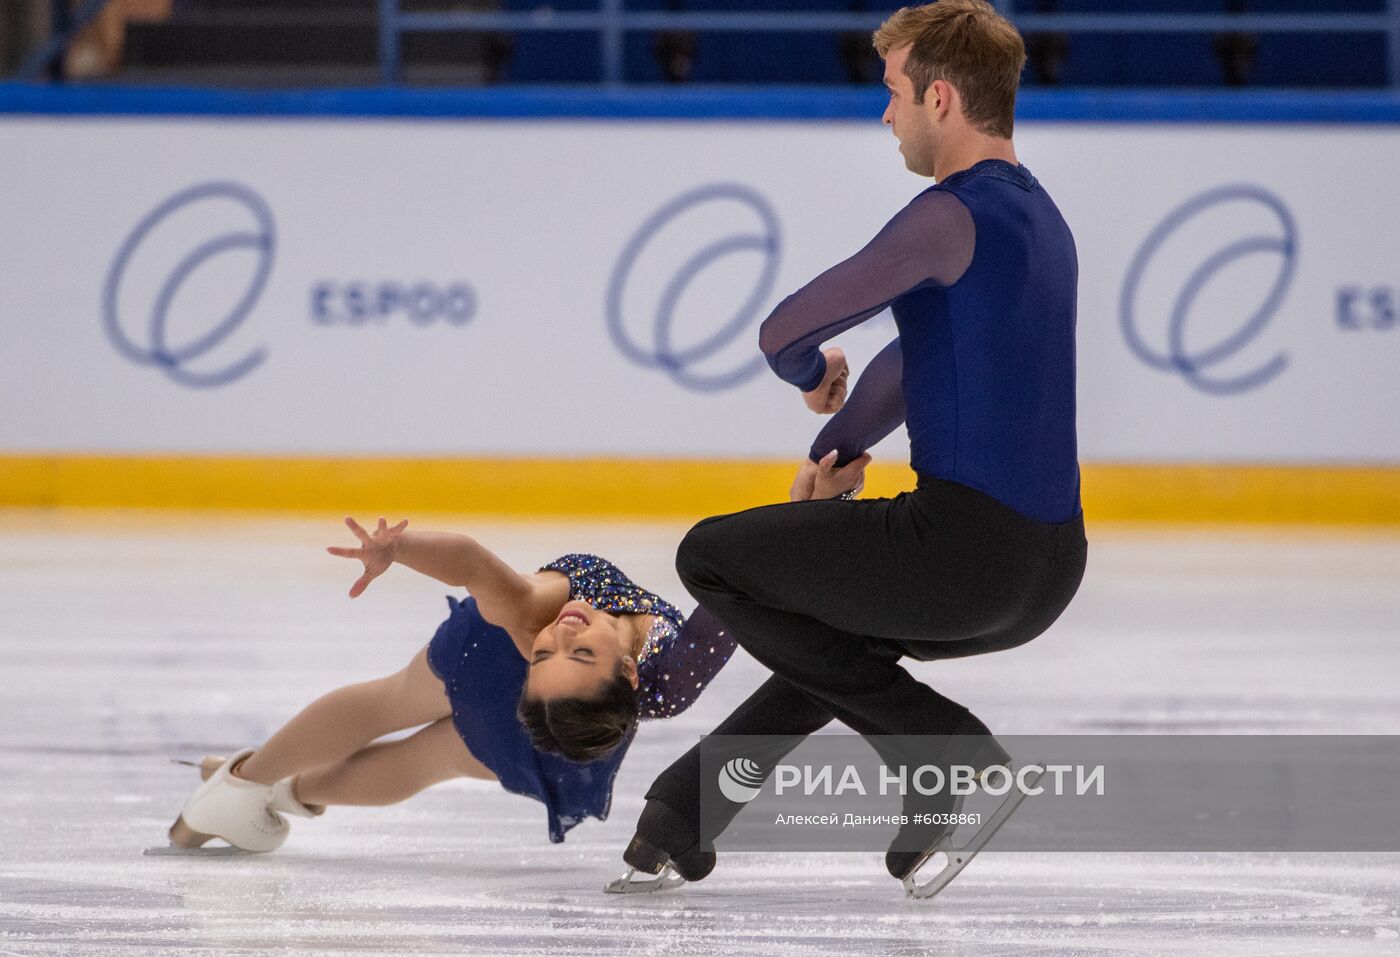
[985, 554]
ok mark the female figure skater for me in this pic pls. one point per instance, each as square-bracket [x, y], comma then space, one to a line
[536, 681]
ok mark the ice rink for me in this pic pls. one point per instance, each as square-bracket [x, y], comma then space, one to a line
[128, 640]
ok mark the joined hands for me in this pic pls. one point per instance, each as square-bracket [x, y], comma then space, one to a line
[824, 480]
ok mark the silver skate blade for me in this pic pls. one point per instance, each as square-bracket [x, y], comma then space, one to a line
[958, 858]
[630, 884]
[175, 850]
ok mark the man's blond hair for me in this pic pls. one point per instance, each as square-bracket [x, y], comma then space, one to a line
[965, 43]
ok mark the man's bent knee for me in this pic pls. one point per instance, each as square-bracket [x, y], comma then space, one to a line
[703, 552]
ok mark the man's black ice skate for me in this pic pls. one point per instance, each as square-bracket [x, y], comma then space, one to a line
[933, 818]
[905, 864]
[658, 828]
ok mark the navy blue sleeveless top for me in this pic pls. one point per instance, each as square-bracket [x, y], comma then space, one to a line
[981, 274]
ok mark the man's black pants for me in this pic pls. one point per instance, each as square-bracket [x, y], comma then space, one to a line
[830, 594]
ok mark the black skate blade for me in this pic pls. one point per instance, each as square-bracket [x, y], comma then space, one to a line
[959, 857]
[628, 883]
[175, 850]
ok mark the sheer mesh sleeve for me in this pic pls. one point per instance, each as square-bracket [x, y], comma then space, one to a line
[673, 677]
[874, 410]
[929, 241]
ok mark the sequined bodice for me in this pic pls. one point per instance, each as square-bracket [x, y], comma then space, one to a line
[678, 657]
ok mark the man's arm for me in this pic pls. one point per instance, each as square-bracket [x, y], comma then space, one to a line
[929, 241]
[875, 409]
[836, 462]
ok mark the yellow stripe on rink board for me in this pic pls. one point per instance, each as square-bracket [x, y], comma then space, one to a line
[580, 487]
[1345, 495]
[655, 488]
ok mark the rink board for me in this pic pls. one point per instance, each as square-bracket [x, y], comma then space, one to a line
[512, 294]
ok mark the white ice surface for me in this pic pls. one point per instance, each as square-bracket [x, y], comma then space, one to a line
[128, 640]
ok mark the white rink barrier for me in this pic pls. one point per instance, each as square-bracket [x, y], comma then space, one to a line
[550, 288]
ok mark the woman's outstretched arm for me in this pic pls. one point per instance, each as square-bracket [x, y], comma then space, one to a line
[503, 596]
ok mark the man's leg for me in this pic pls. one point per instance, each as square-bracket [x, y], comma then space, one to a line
[775, 709]
[670, 827]
[790, 580]
[811, 589]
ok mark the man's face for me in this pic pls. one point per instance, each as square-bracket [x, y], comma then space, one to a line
[910, 121]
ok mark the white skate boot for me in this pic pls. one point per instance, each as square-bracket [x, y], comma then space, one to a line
[232, 809]
[282, 799]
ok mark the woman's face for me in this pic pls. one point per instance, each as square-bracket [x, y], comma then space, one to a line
[579, 653]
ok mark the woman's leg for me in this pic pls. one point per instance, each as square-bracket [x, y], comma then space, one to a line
[338, 724]
[392, 771]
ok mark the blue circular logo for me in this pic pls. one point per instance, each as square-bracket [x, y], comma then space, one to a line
[762, 237]
[1194, 366]
[157, 350]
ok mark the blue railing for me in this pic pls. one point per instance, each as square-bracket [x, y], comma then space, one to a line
[612, 22]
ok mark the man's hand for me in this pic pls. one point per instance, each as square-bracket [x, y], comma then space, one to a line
[823, 480]
[831, 394]
[376, 551]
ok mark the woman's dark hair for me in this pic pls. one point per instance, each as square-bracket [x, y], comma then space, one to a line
[581, 729]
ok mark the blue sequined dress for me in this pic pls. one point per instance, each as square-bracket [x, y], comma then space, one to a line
[484, 675]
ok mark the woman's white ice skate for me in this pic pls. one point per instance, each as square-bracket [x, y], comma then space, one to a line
[228, 808]
[282, 799]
